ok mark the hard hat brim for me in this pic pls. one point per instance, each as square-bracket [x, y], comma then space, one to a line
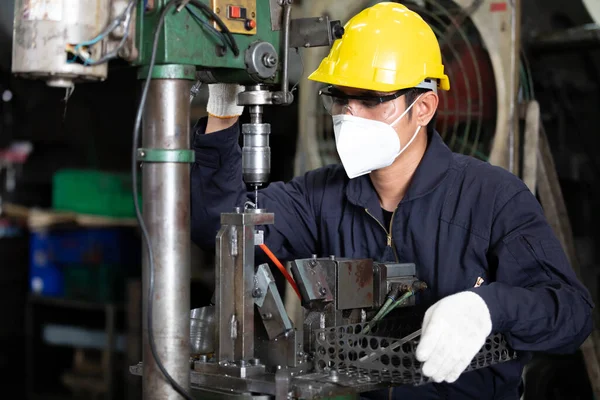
[317, 76]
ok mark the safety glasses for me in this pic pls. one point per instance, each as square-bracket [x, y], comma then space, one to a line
[368, 106]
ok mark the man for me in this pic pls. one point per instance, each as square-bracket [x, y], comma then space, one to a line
[476, 233]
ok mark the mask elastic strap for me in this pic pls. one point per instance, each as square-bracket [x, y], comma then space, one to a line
[405, 111]
[411, 140]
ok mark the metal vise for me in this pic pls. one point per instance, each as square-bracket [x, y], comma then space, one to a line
[253, 332]
[347, 291]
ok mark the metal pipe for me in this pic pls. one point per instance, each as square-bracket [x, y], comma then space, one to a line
[166, 211]
[287, 13]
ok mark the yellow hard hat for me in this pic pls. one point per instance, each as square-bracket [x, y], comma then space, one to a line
[385, 48]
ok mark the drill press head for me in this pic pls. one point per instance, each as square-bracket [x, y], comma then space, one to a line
[256, 153]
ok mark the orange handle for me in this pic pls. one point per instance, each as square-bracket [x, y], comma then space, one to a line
[281, 268]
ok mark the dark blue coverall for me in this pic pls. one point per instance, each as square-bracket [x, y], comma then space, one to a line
[460, 219]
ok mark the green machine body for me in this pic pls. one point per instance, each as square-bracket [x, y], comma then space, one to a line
[251, 53]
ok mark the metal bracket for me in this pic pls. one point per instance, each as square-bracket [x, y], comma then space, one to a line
[166, 155]
[270, 304]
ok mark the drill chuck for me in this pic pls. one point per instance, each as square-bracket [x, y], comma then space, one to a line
[256, 153]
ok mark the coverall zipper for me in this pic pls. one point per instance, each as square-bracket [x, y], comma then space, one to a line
[390, 243]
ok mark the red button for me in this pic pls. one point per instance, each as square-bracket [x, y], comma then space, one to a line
[494, 7]
[235, 12]
[250, 24]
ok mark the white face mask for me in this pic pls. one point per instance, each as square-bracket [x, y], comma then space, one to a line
[365, 145]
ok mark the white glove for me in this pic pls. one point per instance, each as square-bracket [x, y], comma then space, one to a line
[454, 331]
[222, 100]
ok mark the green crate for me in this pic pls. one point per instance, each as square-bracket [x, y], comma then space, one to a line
[95, 283]
[94, 192]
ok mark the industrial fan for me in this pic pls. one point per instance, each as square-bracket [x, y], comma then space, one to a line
[467, 113]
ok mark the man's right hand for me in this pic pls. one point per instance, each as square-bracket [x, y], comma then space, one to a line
[222, 107]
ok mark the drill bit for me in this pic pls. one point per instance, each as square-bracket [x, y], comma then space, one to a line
[256, 196]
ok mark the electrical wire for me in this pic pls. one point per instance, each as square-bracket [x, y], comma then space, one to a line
[138, 212]
[219, 21]
[115, 52]
[398, 302]
[388, 303]
[281, 268]
[125, 16]
[112, 26]
[206, 25]
[387, 308]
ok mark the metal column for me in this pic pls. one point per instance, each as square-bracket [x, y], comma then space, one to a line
[166, 210]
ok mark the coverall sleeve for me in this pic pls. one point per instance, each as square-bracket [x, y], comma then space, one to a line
[536, 299]
[217, 186]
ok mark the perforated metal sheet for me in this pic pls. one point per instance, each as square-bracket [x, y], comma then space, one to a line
[346, 350]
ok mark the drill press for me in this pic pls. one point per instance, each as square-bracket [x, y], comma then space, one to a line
[175, 43]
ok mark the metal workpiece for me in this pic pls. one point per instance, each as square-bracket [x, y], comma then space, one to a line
[224, 285]
[354, 284]
[348, 283]
[236, 322]
[166, 213]
[270, 304]
[311, 278]
[42, 29]
[235, 284]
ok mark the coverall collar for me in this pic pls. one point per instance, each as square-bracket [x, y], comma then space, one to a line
[429, 174]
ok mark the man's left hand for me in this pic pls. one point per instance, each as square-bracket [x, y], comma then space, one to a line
[454, 330]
